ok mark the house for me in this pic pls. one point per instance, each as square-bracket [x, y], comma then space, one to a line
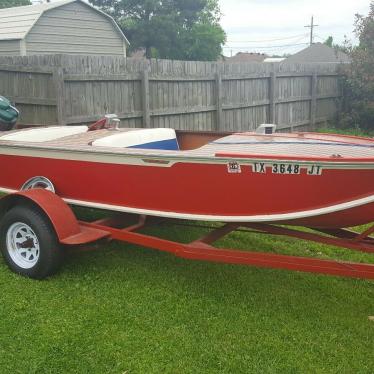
[68, 26]
[247, 57]
[319, 53]
[138, 54]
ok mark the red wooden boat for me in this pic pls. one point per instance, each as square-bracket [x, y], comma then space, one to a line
[249, 181]
[306, 179]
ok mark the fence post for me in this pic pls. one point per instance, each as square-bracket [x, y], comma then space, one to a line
[145, 99]
[272, 99]
[341, 103]
[313, 102]
[58, 78]
[219, 99]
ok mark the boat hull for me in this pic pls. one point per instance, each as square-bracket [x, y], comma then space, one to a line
[341, 196]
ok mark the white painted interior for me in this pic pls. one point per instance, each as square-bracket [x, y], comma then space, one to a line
[44, 134]
[136, 137]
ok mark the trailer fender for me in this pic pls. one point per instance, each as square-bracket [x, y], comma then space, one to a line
[59, 213]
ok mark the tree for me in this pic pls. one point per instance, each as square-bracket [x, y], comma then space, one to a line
[345, 46]
[203, 42]
[359, 76]
[13, 3]
[174, 29]
[329, 41]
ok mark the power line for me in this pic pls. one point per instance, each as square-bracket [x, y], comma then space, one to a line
[320, 37]
[296, 43]
[266, 47]
[267, 40]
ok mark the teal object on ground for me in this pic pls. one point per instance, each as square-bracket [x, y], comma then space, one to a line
[8, 113]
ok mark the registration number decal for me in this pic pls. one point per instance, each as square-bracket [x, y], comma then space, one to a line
[314, 170]
[234, 168]
[285, 169]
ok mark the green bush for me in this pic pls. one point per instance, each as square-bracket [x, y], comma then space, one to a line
[358, 81]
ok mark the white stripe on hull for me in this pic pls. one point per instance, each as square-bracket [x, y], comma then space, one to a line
[202, 217]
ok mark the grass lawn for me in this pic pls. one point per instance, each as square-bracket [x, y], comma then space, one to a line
[353, 131]
[125, 309]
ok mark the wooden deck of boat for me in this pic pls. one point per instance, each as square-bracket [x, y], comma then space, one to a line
[301, 145]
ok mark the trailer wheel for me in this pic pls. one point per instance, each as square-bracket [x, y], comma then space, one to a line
[28, 243]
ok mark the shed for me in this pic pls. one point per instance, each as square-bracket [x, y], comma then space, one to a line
[67, 26]
[274, 59]
[319, 53]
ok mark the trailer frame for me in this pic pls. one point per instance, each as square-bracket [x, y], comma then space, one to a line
[71, 231]
[203, 249]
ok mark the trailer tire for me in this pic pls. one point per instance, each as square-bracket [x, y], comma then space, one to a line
[29, 243]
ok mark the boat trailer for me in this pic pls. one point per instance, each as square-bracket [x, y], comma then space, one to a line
[70, 231]
[203, 249]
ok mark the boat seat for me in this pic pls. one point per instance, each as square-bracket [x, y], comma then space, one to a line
[44, 134]
[163, 139]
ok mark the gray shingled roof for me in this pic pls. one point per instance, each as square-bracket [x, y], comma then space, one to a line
[247, 57]
[319, 53]
[15, 23]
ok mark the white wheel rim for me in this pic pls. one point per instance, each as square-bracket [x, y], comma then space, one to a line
[38, 182]
[23, 245]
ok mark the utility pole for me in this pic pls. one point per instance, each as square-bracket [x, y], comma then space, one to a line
[311, 27]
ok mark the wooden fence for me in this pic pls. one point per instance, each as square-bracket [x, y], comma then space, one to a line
[68, 90]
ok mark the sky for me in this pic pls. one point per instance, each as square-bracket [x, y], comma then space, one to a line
[277, 26]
